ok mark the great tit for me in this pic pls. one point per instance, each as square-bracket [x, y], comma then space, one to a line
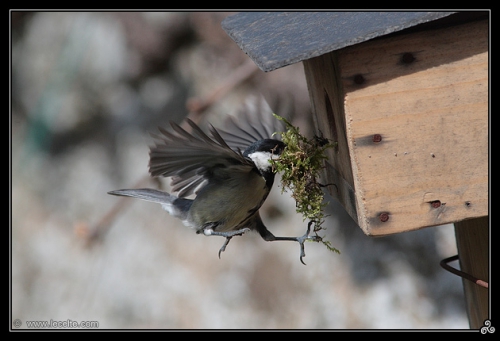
[231, 176]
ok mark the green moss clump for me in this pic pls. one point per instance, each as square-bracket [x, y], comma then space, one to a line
[300, 164]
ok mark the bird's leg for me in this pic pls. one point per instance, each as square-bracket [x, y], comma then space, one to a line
[301, 240]
[227, 234]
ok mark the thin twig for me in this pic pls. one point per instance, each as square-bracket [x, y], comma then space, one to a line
[95, 232]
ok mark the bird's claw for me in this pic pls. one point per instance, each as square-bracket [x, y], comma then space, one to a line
[302, 240]
[228, 236]
[223, 248]
[305, 237]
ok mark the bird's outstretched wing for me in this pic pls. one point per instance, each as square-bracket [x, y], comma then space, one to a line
[253, 122]
[191, 158]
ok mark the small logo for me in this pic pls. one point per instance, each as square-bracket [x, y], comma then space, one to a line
[17, 323]
[488, 328]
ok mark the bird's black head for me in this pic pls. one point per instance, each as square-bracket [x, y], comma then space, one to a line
[274, 147]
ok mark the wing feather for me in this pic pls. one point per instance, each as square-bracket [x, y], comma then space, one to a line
[190, 158]
[254, 122]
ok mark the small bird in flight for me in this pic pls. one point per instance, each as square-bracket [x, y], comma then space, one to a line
[230, 172]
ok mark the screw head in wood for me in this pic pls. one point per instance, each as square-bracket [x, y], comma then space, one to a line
[436, 204]
[408, 58]
[384, 216]
[359, 79]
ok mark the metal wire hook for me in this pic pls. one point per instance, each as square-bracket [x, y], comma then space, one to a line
[444, 265]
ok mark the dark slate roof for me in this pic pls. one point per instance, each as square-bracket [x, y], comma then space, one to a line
[276, 39]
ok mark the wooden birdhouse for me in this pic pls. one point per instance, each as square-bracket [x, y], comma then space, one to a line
[405, 95]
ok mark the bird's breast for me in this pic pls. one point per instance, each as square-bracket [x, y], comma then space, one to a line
[229, 203]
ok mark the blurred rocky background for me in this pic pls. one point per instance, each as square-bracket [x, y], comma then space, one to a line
[87, 89]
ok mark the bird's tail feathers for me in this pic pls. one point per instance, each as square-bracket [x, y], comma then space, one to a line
[177, 207]
[147, 194]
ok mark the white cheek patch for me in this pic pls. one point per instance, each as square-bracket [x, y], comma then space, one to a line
[261, 160]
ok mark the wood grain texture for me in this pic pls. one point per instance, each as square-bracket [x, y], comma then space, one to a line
[432, 116]
[472, 244]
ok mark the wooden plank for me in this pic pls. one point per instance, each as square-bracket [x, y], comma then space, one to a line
[472, 244]
[328, 107]
[431, 112]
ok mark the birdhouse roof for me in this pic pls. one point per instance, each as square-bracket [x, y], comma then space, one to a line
[276, 39]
